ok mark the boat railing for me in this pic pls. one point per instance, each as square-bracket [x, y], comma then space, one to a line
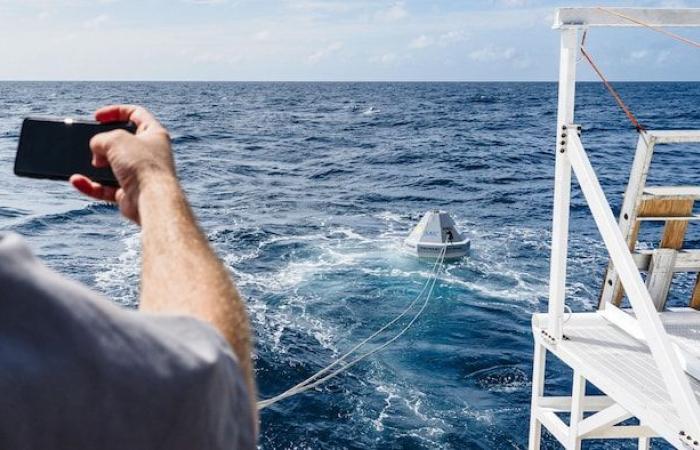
[571, 158]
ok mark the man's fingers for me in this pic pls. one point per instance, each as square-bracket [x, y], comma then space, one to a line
[122, 113]
[93, 189]
[99, 161]
[102, 142]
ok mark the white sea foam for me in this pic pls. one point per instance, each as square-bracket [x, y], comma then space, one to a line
[389, 396]
[120, 276]
[404, 402]
[496, 275]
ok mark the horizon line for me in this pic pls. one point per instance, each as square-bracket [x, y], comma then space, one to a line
[324, 81]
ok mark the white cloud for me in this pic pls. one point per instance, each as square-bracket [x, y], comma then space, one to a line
[674, 4]
[663, 56]
[443, 40]
[388, 58]
[300, 40]
[325, 52]
[514, 3]
[261, 35]
[394, 13]
[643, 56]
[489, 53]
[421, 41]
[638, 54]
[392, 59]
[96, 22]
[522, 63]
[215, 58]
[205, 2]
[451, 37]
[321, 6]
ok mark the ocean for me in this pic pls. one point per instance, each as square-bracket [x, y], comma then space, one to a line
[306, 191]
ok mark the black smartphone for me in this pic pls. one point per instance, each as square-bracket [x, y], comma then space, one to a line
[58, 148]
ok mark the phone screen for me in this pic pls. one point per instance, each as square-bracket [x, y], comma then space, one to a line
[56, 149]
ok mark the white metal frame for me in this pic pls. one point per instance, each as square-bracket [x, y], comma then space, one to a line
[571, 156]
[634, 195]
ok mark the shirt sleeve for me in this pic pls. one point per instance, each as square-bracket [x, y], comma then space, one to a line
[222, 403]
[81, 373]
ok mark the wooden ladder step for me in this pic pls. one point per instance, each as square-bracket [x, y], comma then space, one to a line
[671, 205]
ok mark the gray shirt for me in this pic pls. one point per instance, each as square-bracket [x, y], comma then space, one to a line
[77, 372]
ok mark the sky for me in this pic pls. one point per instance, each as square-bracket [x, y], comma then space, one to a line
[321, 40]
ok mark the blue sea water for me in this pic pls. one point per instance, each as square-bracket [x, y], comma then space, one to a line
[306, 191]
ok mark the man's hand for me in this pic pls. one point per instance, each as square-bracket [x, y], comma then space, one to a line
[181, 273]
[135, 159]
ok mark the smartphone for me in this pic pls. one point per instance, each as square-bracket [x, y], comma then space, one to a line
[58, 148]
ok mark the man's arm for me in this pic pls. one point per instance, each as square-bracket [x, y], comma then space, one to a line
[181, 274]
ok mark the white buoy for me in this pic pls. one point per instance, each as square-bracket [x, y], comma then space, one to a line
[435, 231]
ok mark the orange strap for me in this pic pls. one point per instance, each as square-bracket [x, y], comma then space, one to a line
[607, 84]
[612, 91]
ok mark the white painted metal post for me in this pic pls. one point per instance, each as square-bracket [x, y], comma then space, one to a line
[676, 380]
[630, 204]
[578, 394]
[538, 369]
[643, 443]
[562, 182]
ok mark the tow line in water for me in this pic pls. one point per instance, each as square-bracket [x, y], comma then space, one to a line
[323, 375]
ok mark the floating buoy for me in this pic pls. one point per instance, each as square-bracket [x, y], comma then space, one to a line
[436, 231]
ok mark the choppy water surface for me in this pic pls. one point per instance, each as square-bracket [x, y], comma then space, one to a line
[306, 191]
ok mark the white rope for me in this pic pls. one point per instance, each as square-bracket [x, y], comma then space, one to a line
[387, 325]
[314, 380]
[567, 308]
[308, 384]
[658, 29]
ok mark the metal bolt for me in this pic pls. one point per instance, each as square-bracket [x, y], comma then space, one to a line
[563, 127]
[682, 433]
[563, 135]
[563, 142]
[626, 216]
[609, 282]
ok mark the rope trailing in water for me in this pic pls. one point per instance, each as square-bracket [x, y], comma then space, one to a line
[670, 34]
[316, 378]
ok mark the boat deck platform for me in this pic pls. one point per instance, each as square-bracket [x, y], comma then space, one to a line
[623, 367]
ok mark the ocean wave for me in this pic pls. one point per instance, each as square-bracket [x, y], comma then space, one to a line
[36, 222]
[307, 200]
[507, 379]
[13, 212]
[329, 173]
[178, 139]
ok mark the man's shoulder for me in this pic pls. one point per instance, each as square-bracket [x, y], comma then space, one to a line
[72, 360]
